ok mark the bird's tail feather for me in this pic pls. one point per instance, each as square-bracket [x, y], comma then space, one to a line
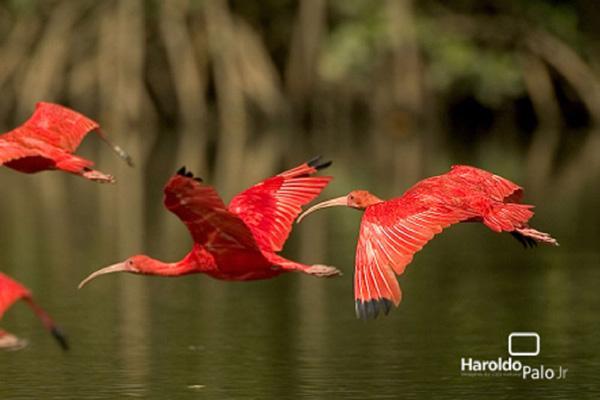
[73, 164]
[511, 217]
[507, 216]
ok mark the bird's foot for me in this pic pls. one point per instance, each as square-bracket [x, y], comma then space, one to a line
[10, 342]
[540, 237]
[98, 176]
[323, 271]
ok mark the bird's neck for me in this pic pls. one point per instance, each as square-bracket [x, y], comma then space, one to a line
[194, 262]
[373, 200]
[178, 268]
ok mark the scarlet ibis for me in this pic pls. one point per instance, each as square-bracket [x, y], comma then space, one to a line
[47, 140]
[240, 241]
[10, 292]
[392, 231]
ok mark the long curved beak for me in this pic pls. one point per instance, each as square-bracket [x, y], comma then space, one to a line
[338, 201]
[119, 267]
[117, 149]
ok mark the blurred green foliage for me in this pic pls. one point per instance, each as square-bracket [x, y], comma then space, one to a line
[407, 87]
[458, 63]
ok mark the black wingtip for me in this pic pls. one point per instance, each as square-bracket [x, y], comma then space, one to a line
[370, 309]
[316, 163]
[60, 337]
[188, 174]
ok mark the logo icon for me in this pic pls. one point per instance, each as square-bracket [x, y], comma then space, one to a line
[520, 344]
[520, 337]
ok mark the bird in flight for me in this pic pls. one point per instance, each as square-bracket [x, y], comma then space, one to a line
[12, 291]
[47, 140]
[237, 242]
[392, 231]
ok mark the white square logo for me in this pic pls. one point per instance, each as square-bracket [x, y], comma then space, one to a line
[524, 335]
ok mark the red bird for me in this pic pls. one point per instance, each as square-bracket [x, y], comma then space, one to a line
[392, 231]
[47, 140]
[10, 292]
[240, 241]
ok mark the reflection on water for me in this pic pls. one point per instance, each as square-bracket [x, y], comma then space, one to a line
[297, 336]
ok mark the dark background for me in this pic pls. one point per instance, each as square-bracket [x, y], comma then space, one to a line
[392, 91]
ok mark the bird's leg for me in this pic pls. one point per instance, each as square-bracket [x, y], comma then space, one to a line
[97, 176]
[528, 233]
[81, 167]
[321, 271]
[318, 270]
[9, 341]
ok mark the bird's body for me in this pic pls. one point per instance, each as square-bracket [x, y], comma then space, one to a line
[393, 231]
[47, 140]
[234, 267]
[10, 292]
[238, 242]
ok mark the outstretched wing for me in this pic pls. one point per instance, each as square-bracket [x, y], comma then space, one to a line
[212, 226]
[10, 291]
[57, 125]
[390, 234]
[495, 186]
[10, 151]
[270, 207]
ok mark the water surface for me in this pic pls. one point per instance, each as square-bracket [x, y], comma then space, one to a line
[297, 336]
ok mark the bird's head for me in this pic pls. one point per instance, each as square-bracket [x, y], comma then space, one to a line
[139, 264]
[361, 199]
[358, 199]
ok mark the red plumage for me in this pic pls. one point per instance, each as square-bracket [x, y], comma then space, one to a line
[269, 208]
[239, 241]
[47, 140]
[12, 291]
[393, 231]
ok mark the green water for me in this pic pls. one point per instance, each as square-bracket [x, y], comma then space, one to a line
[296, 336]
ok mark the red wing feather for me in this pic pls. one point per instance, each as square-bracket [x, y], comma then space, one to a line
[10, 291]
[210, 223]
[495, 186]
[10, 151]
[390, 235]
[56, 125]
[270, 207]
